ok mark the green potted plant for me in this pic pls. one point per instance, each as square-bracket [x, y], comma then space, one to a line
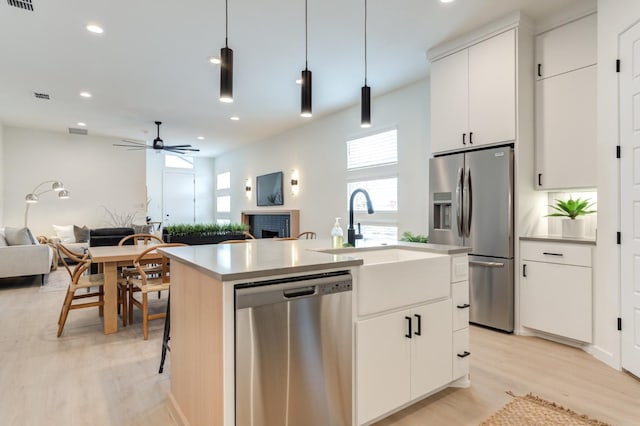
[203, 233]
[414, 238]
[572, 211]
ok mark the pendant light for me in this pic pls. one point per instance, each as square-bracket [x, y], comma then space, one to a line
[305, 98]
[226, 62]
[365, 105]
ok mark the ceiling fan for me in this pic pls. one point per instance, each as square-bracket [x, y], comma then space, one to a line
[158, 145]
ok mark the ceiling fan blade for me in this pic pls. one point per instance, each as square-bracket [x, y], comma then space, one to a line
[177, 146]
[133, 142]
[129, 145]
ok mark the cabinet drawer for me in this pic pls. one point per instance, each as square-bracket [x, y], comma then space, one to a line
[459, 268]
[460, 297]
[461, 353]
[562, 253]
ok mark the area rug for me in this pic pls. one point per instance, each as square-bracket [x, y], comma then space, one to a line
[57, 280]
[532, 410]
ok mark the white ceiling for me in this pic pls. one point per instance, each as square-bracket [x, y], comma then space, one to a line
[151, 63]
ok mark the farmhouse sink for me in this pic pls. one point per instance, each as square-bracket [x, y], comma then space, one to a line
[394, 277]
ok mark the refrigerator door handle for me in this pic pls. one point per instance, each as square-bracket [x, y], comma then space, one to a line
[459, 201]
[468, 205]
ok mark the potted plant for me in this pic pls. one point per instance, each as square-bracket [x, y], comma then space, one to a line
[572, 210]
[414, 238]
[203, 233]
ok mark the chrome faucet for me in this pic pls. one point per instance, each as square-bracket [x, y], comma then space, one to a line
[351, 232]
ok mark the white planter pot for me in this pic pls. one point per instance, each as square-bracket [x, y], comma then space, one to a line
[573, 228]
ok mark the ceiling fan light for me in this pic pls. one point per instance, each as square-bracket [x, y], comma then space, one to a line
[305, 94]
[365, 107]
[226, 75]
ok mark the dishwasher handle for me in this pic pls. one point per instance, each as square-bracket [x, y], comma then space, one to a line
[299, 292]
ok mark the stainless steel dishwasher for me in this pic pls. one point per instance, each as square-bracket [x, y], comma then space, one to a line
[293, 351]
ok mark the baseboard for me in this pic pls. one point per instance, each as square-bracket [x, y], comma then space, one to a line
[175, 411]
[462, 382]
[604, 356]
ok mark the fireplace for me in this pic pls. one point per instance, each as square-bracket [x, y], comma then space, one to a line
[269, 234]
[272, 223]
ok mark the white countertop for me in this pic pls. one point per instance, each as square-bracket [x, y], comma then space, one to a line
[266, 257]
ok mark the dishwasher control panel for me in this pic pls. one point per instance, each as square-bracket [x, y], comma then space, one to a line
[336, 287]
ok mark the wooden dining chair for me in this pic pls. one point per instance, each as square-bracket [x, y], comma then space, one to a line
[76, 265]
[248, 235]
[308, 235]
[148, 283]
[128, 271]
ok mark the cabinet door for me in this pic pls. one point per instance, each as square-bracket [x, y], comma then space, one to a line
[567, 48]
[566, 117]
[556, 299]
[492, 90]
[449, 102]
[431, 351]
[382, 365]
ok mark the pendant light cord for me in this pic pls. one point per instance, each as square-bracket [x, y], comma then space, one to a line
[365, 42]
[306, 37]
[226, 23]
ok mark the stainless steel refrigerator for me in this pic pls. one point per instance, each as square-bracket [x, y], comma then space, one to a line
[471, 204]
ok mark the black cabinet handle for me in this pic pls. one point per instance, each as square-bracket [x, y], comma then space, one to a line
[419, 331]
[470, 137]
[552, 254]
[408, 335]
[524, 270]
[465, 306]
[539, 70]
[464, 139]
[539, 179]
[464, 354]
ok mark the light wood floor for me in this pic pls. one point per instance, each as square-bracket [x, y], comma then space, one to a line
[87, 378]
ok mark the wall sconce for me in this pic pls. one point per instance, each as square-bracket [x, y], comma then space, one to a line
[247, 188]
[295, 187]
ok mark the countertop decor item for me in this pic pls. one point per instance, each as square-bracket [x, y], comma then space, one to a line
[203, 233]
[414, 238]
[572, 210]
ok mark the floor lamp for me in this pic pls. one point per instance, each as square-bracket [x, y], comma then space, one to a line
[32, 197]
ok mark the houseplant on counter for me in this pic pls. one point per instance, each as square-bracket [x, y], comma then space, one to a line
[572, 210]
[203, 233]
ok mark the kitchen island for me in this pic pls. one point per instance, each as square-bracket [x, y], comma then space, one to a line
[203, 321]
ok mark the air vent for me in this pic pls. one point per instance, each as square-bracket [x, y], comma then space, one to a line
[21, 4]
[75, 131]
[42, 96]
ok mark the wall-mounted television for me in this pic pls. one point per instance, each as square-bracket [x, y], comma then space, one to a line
[269, 189]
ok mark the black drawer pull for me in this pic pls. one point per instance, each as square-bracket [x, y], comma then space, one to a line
[470, 137]
[539, 70]
[524, 270]
[464, 354]
[552, 254]
[465, 306]
[464, 139]
[419, 332]
[408, 335]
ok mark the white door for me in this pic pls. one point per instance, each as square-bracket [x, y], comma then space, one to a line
[492, 90]
[179, 198]
[630, 197]
[449, 102]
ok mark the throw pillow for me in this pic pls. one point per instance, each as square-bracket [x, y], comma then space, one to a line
[18, 236]
[81, 234]
[3, 241]
[65, 233]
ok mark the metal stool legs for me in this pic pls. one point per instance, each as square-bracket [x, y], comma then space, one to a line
[166, 337]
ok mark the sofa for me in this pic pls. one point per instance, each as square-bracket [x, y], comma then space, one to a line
[22, 255]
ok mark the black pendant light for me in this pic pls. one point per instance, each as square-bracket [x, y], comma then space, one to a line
[365, 106]
[305, 98]
[226, 62]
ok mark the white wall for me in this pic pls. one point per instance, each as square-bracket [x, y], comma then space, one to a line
[614, 16]
[317, 150]
[2, 172]
[96, 173]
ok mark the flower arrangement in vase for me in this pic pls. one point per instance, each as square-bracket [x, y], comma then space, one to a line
[572, 210]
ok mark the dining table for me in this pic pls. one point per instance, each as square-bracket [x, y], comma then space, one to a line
[112, 257]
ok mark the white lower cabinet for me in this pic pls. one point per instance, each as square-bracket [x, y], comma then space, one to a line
[461, 353]
[402, 356]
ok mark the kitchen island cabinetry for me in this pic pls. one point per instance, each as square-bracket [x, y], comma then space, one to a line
[556, 289]
[473, 95]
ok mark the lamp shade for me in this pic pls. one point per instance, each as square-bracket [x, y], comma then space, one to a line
[64, 194]
[226, 74]
[305, 101]
[31, 198]
[57, 186]
[365, 107]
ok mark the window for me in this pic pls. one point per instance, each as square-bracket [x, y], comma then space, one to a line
[372, 165]
[223, 204]
[178, 162]
[223, 181]
[223, 197]
[223, 221]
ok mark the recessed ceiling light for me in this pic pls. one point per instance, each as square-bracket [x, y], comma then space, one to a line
[299, 81]
[214, 60]
[81, 124]
[446, 1]
[235, 118]
[200, 138]
[94, 29]
[85, 94]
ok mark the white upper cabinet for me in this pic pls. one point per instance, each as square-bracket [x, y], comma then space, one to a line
[473, 98]
[567, 48]
[566, 106]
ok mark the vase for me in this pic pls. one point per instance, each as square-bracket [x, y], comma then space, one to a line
[573, 228]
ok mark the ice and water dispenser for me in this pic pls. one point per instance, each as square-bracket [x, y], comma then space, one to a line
[442, 210]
